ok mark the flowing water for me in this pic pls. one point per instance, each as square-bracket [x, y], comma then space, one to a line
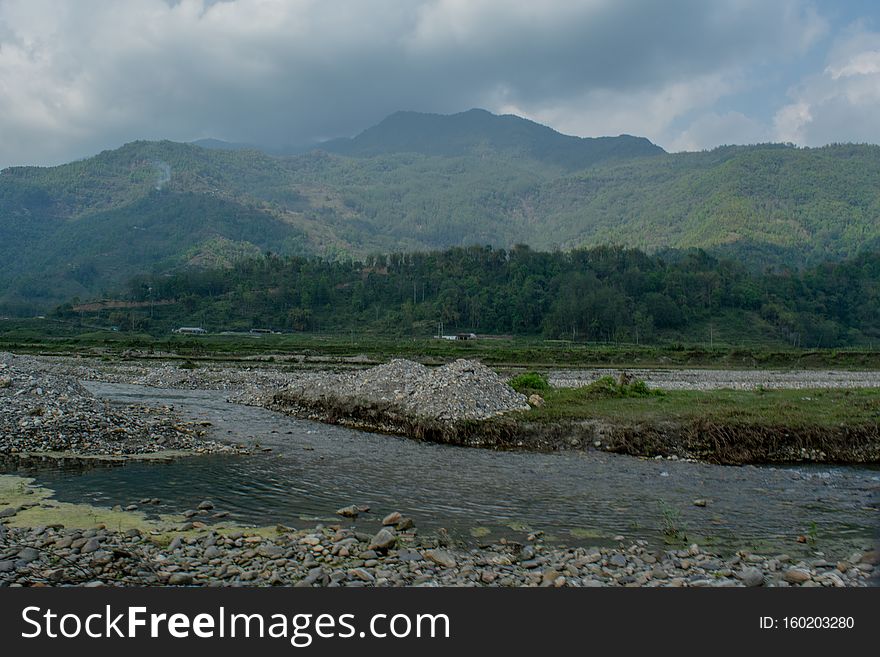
[575, 497]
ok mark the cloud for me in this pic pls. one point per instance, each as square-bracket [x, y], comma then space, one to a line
[79, 77]
[713, 129]
[843, 101]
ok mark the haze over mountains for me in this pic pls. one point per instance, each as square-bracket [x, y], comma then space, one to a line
[422, 181]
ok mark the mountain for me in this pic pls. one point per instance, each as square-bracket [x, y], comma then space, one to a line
[417, 182]
[478, 132]
[221, 145]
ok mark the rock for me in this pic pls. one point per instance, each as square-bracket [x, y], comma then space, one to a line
[91, 545]
[796, 576]
[350, 511]
[7, 566]
[441, 557]
[8, 513]
[28, 554]
[617, 560]
[404, 524]
[536, 400]
[872, 557]
[206, 505]
[383, 540]
[212, 552]
[361, 574]
[751, 577]
[180, 579]
[700, 502]
[392, 518]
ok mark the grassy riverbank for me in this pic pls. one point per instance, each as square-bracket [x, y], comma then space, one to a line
[821, 409]
[722, 426]
[717, 426]
[47, 336]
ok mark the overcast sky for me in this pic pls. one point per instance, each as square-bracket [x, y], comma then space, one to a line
[80, 76]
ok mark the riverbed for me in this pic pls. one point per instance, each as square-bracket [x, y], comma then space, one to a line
[300, 472]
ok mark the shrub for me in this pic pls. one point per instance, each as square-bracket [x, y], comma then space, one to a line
[529, 381]
[607, 387]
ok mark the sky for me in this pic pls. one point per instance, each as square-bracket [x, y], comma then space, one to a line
[80, 76]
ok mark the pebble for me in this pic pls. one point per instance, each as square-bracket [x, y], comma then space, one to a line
[383, 540]
[441, 557]
[751, 577]
[796, 576]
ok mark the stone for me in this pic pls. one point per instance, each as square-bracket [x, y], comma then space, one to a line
[392, 518]
[206, 505]
[700, 502]
[872, 557]
[91, 545]
[751, 577]
[536, 400]
[28, 554]
[617, 560]
[212, 552]
[404, 524]
[6, 566]
[441, 557]
[180, 579]
[548, 577]
[383, 540]
[350, 511]
[796, 576]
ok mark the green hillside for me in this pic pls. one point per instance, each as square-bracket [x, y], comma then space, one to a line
[417, 182]
[603, 294]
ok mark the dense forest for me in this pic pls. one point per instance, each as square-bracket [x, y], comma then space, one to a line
[605, 294]
[419, 182]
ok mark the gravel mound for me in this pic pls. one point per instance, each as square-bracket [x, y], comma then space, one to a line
[461, 390]
[44, 411]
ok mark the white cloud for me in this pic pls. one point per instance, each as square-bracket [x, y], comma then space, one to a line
[78, 77]
[842, 102]
[713, 129]
[648, 112]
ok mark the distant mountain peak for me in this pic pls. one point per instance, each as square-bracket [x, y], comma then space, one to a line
[477, 130]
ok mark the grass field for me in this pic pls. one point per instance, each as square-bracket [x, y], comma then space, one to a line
[777, 408]
[46, 336]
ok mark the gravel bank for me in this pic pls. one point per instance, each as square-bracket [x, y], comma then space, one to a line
[675, 379]
[461, 390]
[255, 380]
[44, 411]
[340, 556]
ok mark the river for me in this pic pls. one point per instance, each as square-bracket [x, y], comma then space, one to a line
[575, 497]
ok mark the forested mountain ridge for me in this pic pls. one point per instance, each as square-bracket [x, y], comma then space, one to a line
[606, 294]
[478, 132]
[417, 182]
